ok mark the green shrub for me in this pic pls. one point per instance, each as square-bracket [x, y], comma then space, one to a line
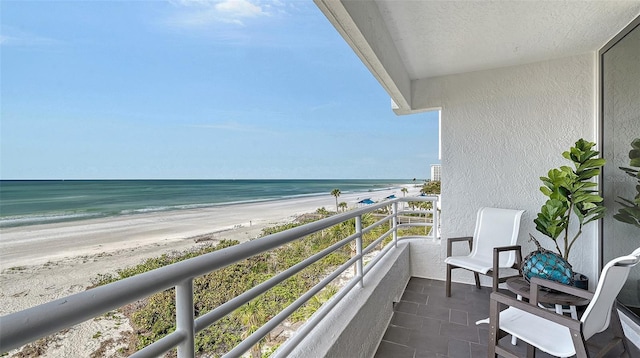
[154, 317]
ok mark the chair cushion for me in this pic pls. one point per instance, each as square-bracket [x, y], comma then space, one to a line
[548, 336]
[470, 263]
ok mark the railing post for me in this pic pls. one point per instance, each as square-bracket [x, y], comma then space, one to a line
[359, 265]
[185, 318]
[434, 221]
[394, 209]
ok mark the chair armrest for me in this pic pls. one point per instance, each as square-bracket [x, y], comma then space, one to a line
[529, 307]
[496, 261]
[498, 250]
[507, 248]
[537, 281]
[451, 240]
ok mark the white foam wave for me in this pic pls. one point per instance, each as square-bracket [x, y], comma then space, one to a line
[11, 221]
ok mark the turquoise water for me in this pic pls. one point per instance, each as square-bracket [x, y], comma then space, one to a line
[44, 201]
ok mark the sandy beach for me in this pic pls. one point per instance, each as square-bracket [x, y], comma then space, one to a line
[40, 263]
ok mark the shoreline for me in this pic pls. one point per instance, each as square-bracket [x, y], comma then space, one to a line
[41, 263]
[106, 234]
[118, 242]
[88, 210]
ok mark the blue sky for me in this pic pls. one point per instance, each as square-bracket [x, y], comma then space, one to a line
[195, 89]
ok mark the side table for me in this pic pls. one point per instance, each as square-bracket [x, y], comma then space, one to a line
[521, 288]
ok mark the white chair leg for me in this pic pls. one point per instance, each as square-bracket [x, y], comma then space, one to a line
[574, 312]
[559, 309]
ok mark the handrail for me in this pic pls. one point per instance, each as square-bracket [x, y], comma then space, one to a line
[19, 328]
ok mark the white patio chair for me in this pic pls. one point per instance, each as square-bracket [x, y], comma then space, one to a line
[559, 335]
[496, 231]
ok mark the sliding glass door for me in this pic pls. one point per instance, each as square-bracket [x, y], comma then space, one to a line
[620, 126]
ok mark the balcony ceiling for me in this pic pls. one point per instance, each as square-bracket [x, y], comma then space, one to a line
[406, 41]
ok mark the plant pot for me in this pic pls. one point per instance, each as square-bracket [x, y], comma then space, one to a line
[580, 281]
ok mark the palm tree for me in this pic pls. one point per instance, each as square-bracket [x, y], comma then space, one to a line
[336, 192]
[343, 206]
[404, 191]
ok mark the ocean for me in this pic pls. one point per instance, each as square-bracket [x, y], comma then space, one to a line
[29, 202]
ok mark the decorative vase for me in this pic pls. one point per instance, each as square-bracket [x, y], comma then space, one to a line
[547, 265]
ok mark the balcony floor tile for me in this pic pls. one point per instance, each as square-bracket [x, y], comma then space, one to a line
[425, 323]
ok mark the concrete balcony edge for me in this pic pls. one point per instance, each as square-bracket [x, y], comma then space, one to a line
[355, 326]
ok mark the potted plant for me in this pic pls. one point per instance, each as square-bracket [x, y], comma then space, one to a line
[573, 200]
[630, 211]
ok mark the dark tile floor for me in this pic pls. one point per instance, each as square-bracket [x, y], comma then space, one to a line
[426, 324]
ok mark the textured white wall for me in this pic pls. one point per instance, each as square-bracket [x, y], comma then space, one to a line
[501, 130]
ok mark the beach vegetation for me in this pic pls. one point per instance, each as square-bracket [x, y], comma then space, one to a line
[322, 211]
[269, 351]
[431, 187]
[154, 317]
[414, 231]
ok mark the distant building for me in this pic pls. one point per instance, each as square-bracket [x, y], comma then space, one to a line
[435, 172]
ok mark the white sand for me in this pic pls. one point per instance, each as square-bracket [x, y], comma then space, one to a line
[41, 263]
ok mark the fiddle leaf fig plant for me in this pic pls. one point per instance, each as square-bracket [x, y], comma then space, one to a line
[630, 212]
[571, 195]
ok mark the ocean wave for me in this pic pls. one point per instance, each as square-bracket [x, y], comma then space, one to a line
[153, 209]
[383, 189]
[146, 210]
[31, 203]
[23, 220]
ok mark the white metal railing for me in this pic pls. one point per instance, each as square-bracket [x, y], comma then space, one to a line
[26, 326]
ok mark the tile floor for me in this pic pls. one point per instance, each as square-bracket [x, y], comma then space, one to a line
[426, 324]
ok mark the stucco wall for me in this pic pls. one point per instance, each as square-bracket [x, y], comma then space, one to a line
[501, 130]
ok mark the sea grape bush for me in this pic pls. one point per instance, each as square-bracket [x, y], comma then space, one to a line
[154, 317]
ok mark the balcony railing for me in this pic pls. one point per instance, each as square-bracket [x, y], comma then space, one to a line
[26, 326]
